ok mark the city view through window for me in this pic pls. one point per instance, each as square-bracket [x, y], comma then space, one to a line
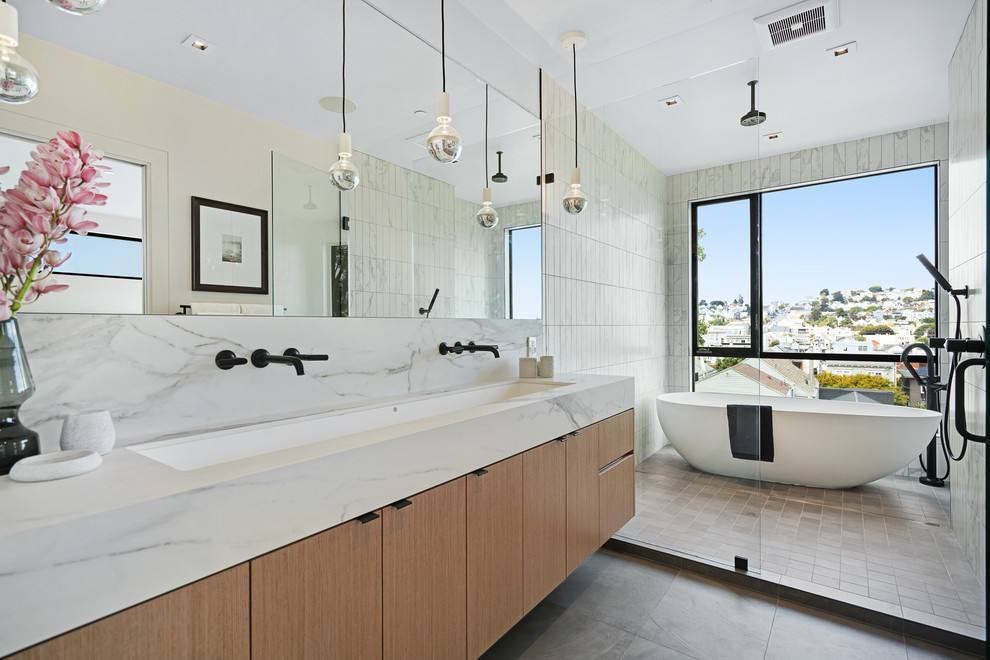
[837, 279]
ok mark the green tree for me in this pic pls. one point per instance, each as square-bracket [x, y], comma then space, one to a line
[719, 320]
[855, 309]
[816, 313]
[862, 382]
[876, 289]
[838, 297]
[922, 330]
[724, 363]
[702, 331]
[702, 304]
[718, 303]
[775, 342]
[876, 329]
[927, 294]
[928, 319]
[823, 292]
[872, 308]
[701, 251]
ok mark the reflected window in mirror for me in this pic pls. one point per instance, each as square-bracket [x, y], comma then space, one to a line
[105, 273]
[524, 272]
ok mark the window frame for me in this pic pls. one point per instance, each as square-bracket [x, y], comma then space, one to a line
[756, 350]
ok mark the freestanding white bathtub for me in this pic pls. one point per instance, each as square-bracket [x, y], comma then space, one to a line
[826, 444]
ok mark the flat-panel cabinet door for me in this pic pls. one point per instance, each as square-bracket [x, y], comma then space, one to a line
[582, 497]
[617, 491]
[616, 437]
[494, 552]
[206, 619]
[544, 521]
[424, 563]
[321, 597]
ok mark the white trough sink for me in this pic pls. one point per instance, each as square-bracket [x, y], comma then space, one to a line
[201, 450]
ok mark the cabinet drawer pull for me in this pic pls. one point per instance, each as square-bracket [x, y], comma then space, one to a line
[401, 504]
[480, 472]
[367, 518]
[574, 434]
[562, 438]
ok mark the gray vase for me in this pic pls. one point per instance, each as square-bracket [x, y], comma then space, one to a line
[16, 386]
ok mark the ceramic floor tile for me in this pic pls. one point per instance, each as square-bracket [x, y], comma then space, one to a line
[800, 632]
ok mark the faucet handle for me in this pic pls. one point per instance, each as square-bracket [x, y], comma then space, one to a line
[227, 359]
[294, 352]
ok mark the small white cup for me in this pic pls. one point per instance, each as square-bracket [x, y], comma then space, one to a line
[92, 430]
[527, 367]
[546, 366]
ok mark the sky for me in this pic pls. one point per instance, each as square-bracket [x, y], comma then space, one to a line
[850, 234]
[527, 281]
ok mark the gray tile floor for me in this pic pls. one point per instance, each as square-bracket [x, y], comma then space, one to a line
[621, 607]
[887, 545]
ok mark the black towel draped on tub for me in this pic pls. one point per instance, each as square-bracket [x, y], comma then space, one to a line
[751, 432]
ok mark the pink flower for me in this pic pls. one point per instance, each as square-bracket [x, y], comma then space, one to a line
[63, 175]
[4, 170]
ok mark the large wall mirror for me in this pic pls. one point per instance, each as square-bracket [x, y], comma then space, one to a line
[241, 123]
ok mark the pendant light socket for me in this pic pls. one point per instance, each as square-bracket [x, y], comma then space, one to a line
[8, 25]
[344, 144]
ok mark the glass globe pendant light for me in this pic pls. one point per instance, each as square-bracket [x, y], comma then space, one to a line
[487, 216]
[18, 79]
[575, 200]
[79, 7]
[344, 174]
[444, 142]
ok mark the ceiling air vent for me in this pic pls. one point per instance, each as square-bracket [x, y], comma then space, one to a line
[797, 22]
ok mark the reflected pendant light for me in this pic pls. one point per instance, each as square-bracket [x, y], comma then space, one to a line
[487, 216]
[344, 174]
[444, 142]
[575, 200]
[79, 7]
[499, 177]
[18, 79]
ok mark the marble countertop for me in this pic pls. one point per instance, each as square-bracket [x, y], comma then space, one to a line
[79, 549]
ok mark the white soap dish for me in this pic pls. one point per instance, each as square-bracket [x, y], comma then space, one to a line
[55, 465]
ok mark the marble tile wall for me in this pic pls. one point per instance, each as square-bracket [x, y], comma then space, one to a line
[604, 269]
[401, 245]
[967, 216]
[156, 374]
[924, 144]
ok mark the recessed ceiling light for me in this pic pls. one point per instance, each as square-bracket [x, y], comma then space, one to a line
[844, 49]
[335, 103]
[198, 43]
[773, 136]
[672, 101]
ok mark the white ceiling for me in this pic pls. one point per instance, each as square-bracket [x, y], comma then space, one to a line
[276, 59]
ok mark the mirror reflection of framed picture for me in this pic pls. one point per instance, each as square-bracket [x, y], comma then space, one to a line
[229, 247]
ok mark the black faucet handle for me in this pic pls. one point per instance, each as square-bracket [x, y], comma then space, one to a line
[227, 359]
[294, 352]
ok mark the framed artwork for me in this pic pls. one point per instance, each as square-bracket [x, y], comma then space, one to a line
[229, 247]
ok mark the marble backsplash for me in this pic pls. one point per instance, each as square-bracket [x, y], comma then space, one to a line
[156, 374]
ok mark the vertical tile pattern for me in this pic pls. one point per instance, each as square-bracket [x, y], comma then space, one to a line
[604, 269]
[967, 248]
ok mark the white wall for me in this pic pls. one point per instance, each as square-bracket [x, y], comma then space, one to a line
[967, 261]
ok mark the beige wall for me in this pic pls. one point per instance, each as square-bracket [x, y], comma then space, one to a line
[193, 146]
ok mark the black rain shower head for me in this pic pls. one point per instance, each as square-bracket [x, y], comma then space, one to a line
[940, 279]
[754, 117]
[498, 177]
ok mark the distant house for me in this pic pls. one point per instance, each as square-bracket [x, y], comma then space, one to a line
[759, 378]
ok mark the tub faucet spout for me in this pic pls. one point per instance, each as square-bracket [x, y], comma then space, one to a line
[262, 358]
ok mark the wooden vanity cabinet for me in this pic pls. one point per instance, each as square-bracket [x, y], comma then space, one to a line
[582, 496]
[320, 597]
[616, 473]
[544, 534]
[206, 619]
[494, 552]
[424, 564]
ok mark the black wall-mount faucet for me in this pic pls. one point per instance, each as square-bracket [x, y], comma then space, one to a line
[262, 358]
[471, 347]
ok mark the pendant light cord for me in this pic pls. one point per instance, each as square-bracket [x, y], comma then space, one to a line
[343, 66]
[486, 136]
[574, 53]
[443, 48]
